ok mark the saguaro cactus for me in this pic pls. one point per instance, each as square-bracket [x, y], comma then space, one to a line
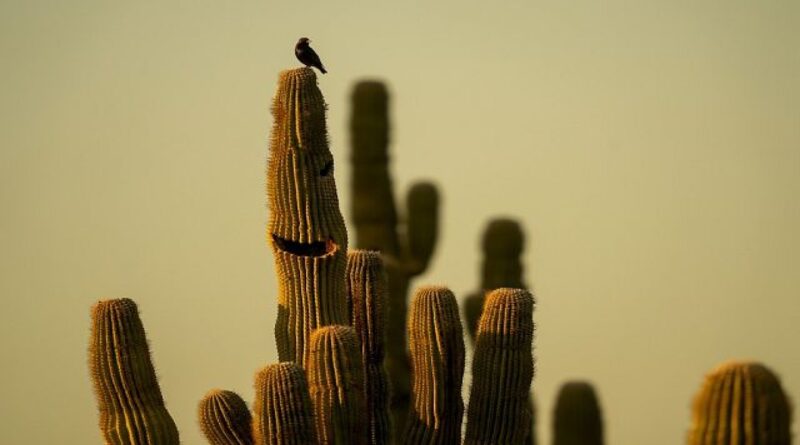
[128, 397]
[282, 409]
[741, 402]
[224, 418]
[502, 370]
[436, 344]
[366, 288]
[577, 418]
[336, 383]
[306, 229]
[407, 248]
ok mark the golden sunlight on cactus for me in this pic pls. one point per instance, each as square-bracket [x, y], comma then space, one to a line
[306, 229]
[282, 413]
[224, 418]
[741, 403]
[128, 397]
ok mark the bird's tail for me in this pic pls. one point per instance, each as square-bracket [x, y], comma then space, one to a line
[322, 68]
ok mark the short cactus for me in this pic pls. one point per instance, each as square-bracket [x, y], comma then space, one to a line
[335, 382]
[366, 288]
[407, 249]
[577, 418]
[502, 369]
[436, 342]
[224, 418]
[306, 229]
[282, 409]
[128, 397]
[741, 402]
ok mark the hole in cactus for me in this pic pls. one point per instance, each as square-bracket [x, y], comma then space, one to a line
[312, 249]
[327, 169]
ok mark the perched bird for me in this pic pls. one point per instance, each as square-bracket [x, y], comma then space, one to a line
[307, 55]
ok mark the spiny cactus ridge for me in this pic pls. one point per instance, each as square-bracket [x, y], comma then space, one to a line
[366, 288]
[128, 397]
[282, 409]
[306, 229]
[436, 345]
[741, 402]
[407, 248]
[224, 418]
[336, 384]
[502, 370]
[577, 419]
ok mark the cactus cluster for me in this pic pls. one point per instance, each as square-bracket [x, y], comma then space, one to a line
[336, 307]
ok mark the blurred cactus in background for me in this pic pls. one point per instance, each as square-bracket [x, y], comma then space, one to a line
[282, 407]
[436, 343]
[741, 403]
[502, 370]
[407, 248]
[577, 418]
[224, 418]
[502, 245]
[128, 397]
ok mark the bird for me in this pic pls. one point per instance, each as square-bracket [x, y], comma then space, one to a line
[307, 56]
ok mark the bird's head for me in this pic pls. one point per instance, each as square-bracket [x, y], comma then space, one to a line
[303, 41]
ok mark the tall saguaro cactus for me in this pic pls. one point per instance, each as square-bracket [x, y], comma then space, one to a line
[502, 370]
[366, 288]
[129, 399]
[336, 382]
[224, 418]
[407, 247]
[741, 402]
[436, 344]
[577, 418]
[282, 408]
[306, 229]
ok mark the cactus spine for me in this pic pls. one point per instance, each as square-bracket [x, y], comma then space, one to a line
[502, 370]
[436, 344]
[128, 397]
[741, 403]
[224, 418]
[336, 383]
[306, 229]
[577, 419]
[366, 282]
[282, 408]
[376, 225]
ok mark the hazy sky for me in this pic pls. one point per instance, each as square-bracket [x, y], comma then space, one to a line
[651, 149]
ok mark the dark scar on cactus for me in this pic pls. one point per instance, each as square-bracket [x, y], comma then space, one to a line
[327, 169]
[312, 249]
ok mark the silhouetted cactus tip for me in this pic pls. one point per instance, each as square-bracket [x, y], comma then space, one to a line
[577, 419]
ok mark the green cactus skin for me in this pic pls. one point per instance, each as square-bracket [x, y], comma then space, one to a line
[224, 418]
[436, 343]
[502, 370]
[366, 282]
[282, 408]
[741, 402]
[306, 230]
[577, 419]
[502, 245]
[376, 226]
[336, 385]
[129, 400]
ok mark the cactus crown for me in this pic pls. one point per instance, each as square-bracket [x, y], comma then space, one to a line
[282, 408]
[741, 402]
[577, 418]
[224, 418]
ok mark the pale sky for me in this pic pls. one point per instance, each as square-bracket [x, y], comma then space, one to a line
[651, 150]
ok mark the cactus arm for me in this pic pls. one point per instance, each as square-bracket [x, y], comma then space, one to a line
[282, 408]
[502, 370]
[422, 225]
[129, 400]
[577, 418]
[224, 418]
[436, 345]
